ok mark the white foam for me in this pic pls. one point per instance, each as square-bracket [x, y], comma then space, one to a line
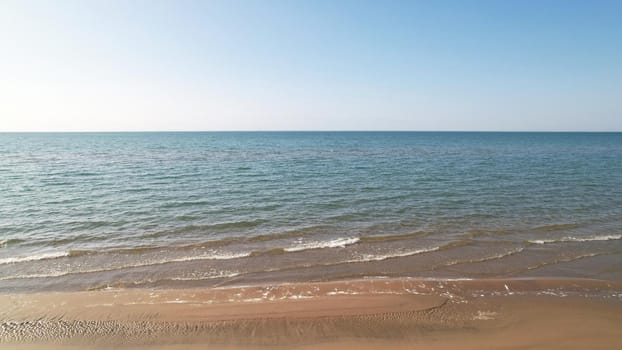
[485, 315]
[42, 256]
[298, 297]
[342, 292]
[492, 257]
[213, 256]
[577, 239]
[222, 274]
[252, 300]
[458, 279]
[379, 257]
[335, 243]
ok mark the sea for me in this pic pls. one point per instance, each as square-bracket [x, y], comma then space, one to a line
[92, 211]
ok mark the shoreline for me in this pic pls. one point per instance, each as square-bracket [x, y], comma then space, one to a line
[364, 313]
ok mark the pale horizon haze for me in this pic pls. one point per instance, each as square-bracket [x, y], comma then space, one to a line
[310, 65]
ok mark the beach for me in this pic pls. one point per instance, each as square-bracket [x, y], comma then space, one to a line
[366, 314]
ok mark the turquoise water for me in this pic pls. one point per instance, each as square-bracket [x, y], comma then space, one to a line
[90, 210]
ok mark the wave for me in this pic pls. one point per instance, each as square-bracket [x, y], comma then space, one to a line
[369, 257]
[556, 227]
[361, 259]
[576, 239]
[181, 204]
[42, 256]
[216, 256]
[9, 241]
[401, 254]
[119, 284]
[231, 240]
[388, 238]
[214, 243]
[220, 226]
[151, 248]
[335, 243]
[288, 234]
[59, 241]
[341, 242]
[487, 258]
[275, 251]
[221, 274]
[568, 259]
[174, 231]
[485, 233]
[89, 225]
[380, 257]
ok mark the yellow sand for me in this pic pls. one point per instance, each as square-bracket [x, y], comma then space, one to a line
[364, 314]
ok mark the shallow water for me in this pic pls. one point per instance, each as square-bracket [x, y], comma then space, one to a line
[87, 211]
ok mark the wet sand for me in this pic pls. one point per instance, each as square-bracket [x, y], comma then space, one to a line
[362, 314]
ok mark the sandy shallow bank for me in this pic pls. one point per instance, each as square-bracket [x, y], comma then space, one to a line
[364, 314]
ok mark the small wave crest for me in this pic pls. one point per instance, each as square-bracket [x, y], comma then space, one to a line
[42, 256]
[402, 254]
[228, 240]
[220, 274]
[213, 256]
[576, 239]
[380, 257]
[9, 241]
[485, 233]
[221, 226]
[556, 227]
[275, 251]
[120, 284]
[486, 258]
[390, 238]
[568, 259]
[304, 231]
[341, 242]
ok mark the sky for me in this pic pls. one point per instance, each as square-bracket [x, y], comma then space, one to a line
[310, 65]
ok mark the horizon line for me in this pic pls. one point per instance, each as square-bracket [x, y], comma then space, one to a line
[294, 130]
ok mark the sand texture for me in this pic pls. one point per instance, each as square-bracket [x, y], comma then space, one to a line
[362, 314]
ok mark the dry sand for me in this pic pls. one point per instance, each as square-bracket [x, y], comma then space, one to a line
[362, 314]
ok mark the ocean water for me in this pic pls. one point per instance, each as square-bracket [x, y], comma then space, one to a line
[86, 211]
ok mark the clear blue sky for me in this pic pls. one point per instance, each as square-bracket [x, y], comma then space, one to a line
[310, 65]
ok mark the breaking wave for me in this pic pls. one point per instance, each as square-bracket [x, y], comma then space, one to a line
[576, 239]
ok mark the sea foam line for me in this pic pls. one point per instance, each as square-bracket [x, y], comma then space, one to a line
[128, 266]
[42, 256]
[55, 255]
[335, 243]
[577, 239]
[487, 258]
[222, 274]
[380, 257]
